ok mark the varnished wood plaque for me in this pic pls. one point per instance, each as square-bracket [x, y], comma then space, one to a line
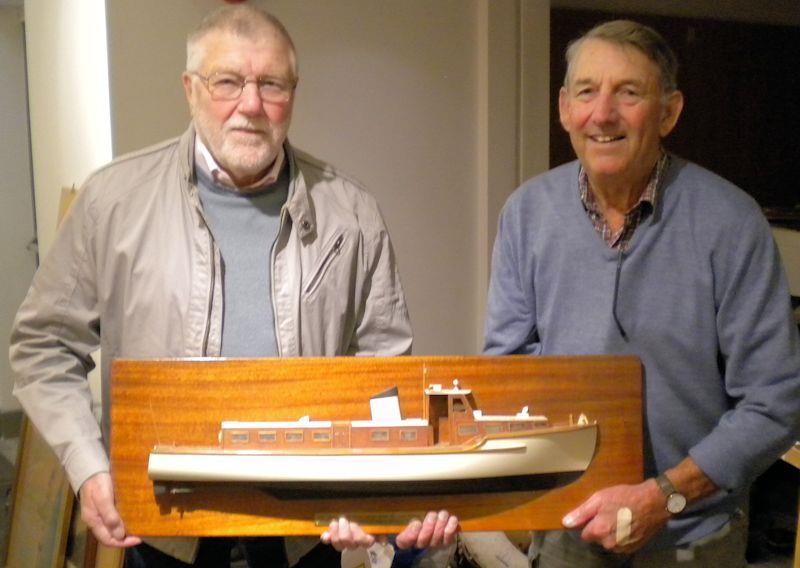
[183, 401]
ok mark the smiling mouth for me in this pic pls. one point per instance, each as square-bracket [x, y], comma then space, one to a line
[606, 139]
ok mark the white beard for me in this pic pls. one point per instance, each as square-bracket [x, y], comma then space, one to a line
[242, 155]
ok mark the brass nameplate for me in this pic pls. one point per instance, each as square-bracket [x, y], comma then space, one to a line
[365, 518]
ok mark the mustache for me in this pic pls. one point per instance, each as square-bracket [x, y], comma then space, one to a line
[242, 123]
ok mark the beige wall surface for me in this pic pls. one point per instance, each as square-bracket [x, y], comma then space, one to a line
[389, 93]
[68, 99]
[16, 204]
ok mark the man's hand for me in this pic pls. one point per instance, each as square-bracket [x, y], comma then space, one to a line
[635, 512]
[99, 512]
[438, 529]
[343, 534]
[435, 531]
[621, 518]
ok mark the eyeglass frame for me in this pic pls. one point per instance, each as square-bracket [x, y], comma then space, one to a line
[243, 81]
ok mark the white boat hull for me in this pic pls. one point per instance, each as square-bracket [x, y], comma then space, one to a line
[515, 459]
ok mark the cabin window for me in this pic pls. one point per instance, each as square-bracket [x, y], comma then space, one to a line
[517, 426]
[493, 428]
[267, 436]
[293, 436]
[379, 436]
[408, 435]
[240, 437]
[322, 436]
[467, 429]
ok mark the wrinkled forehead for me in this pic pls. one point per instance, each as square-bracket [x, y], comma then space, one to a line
[264, 53]
[599, 58]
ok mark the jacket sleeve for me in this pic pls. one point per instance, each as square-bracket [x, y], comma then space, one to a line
[759, 351]
[55, 331]
[382, 326]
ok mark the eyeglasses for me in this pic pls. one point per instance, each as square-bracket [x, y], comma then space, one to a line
[229, 86]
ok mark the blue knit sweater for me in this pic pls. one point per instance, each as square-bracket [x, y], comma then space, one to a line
[703, 301]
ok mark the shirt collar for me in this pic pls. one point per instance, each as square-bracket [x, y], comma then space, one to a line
[649, 195]
[206, 162]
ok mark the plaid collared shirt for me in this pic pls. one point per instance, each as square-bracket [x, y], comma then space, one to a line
[634, 216]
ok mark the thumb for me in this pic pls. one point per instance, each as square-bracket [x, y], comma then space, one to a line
[584, 513]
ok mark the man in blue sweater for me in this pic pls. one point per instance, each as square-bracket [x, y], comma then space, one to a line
[630, 250]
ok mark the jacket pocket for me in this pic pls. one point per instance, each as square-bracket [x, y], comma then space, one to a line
[332, 252]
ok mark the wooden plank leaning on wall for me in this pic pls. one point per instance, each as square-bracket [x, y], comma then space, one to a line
[44, 515]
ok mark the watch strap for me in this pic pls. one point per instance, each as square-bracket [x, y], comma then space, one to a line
[676, 502]
[666, 486]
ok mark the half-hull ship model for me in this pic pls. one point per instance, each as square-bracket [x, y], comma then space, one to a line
[453, 448]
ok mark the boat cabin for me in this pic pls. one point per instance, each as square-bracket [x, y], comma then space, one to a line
[455, 419]
[450, 418]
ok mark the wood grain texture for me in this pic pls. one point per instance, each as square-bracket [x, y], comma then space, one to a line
[41, 508]
[793, 457]
[182, 402]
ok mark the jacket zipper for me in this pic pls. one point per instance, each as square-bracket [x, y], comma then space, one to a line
[210, 306]
[323, 268]
[272, 283]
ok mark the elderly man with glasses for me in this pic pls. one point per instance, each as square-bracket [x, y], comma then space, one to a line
[224, 242]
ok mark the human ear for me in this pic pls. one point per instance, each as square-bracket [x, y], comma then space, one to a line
[188, 87]
[671, 112]
[563, 108]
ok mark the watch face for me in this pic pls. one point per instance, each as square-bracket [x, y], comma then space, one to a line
[676, 503]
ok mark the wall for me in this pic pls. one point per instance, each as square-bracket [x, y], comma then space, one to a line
[68, 99]
[388, 93]
[16, 208]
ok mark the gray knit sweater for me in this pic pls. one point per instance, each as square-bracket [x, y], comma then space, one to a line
[702, 300]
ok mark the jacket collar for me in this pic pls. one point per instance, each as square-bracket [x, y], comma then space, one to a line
[298, 204]
[186, 155]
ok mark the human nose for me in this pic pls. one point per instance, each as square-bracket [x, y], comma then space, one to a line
[605, 108]
[250, 100]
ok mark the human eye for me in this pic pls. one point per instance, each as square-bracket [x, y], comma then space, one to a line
[272, 84]
[225, 86]
[584, 92]
[222, 79]
[630, 94]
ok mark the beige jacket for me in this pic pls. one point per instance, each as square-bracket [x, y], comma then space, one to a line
[135, 270]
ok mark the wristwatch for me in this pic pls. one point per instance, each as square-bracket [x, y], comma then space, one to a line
[676, 502]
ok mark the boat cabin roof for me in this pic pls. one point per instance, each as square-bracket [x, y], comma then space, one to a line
[410, 422]
[435, 389]
[241, 425]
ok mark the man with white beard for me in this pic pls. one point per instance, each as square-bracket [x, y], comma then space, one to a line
[224, 242]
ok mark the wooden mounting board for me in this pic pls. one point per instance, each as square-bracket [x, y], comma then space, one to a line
[183, 401]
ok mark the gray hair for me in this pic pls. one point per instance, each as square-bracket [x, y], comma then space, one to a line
[641, 37]
[244, 20]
